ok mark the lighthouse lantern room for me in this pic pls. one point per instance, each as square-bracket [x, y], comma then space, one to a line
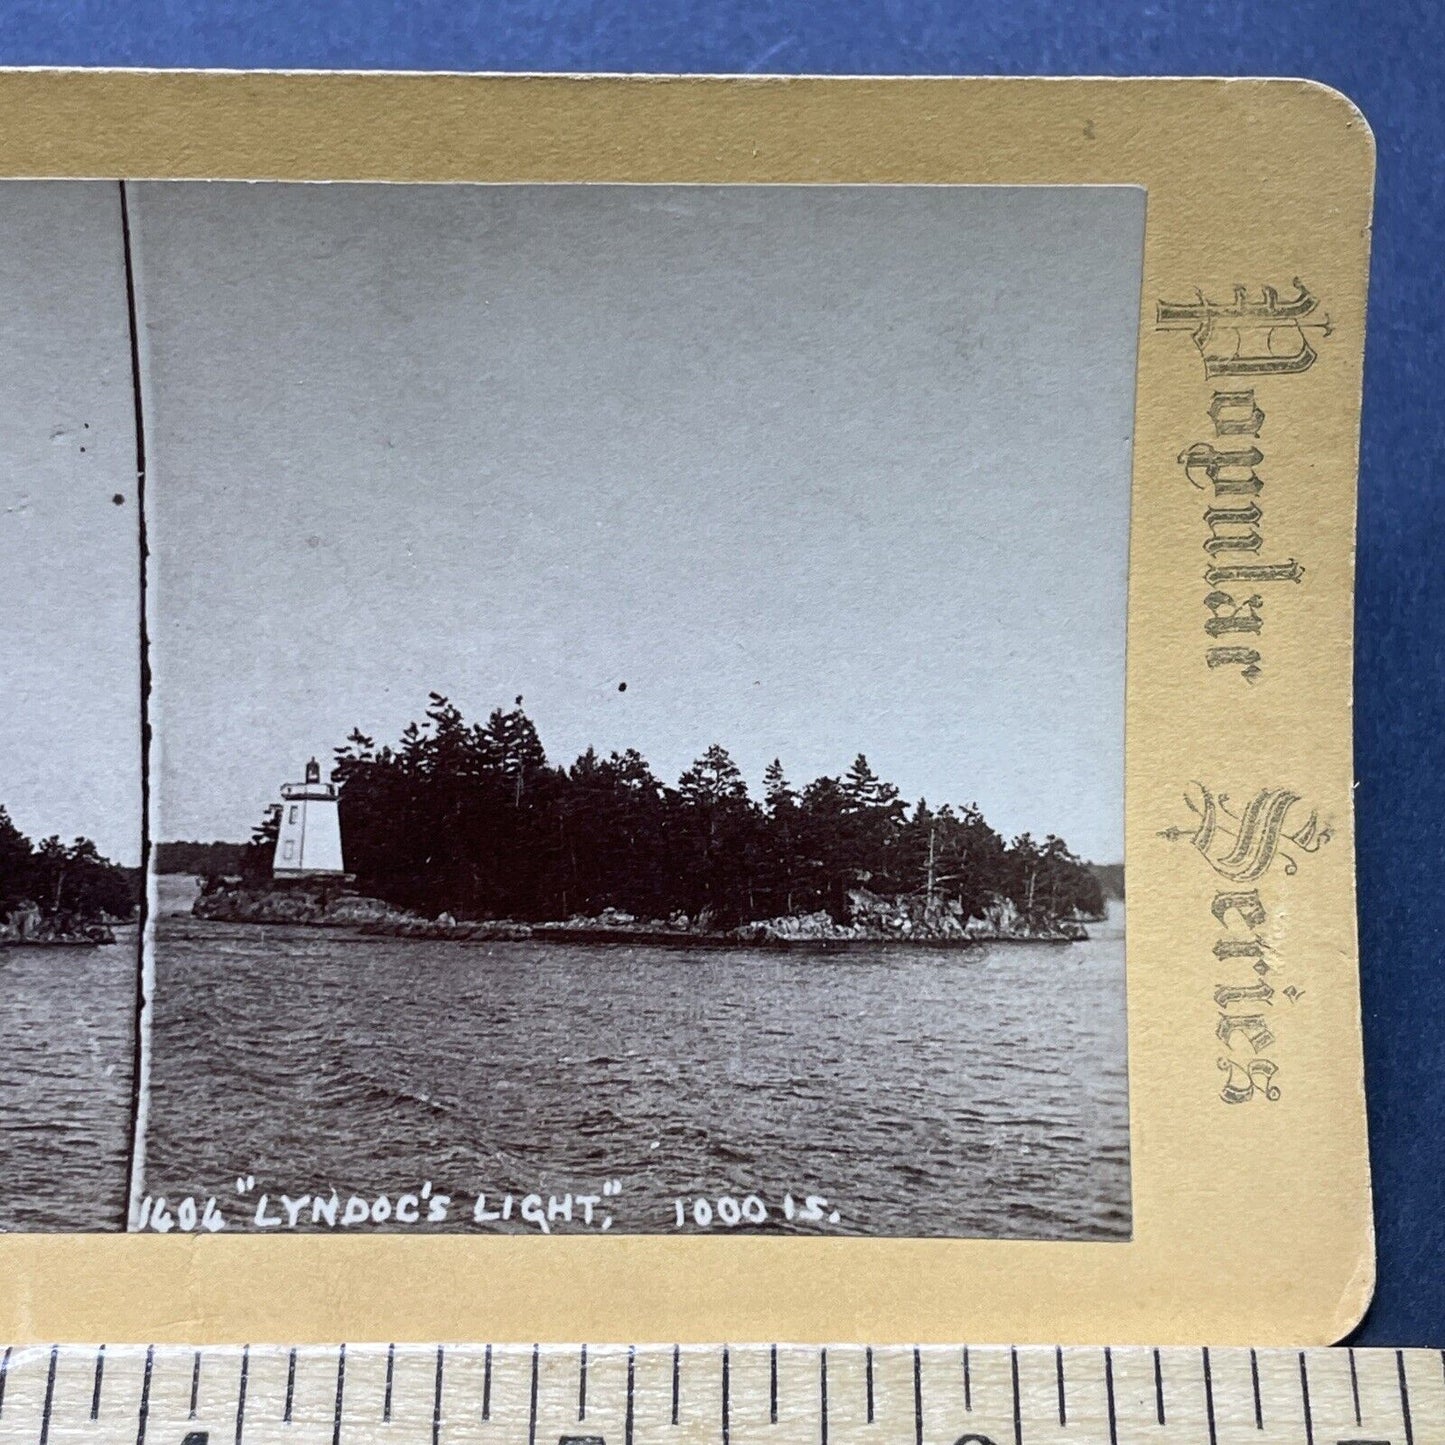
[309, 843]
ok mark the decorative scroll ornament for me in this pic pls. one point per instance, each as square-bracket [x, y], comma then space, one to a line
[1243, 846]
[1250, 335]
[1247, 1078]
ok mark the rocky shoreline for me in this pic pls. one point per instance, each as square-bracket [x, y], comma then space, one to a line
[873, 920]
[27, 926]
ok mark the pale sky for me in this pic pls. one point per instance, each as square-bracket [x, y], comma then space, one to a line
[69, 555]
[813, 470]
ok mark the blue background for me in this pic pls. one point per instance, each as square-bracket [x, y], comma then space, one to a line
[1389, 61]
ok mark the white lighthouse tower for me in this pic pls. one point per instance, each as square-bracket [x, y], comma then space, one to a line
[309, 843]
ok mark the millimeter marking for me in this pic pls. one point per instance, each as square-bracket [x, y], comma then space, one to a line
[49, 1404]
[1405, 1398]
[917, 1396]
[1209, 1395]
[341, 1391]
[290, 1386]
[99, 1379]
[143, 1414]
[813, 1395]
[631, 1366]
[726, 1393]
[531, 1407]
[1013, 1356]
[1304, 1391]
[823, 1396]
[241, 1392]
[436, 1401]
[1109, 1396]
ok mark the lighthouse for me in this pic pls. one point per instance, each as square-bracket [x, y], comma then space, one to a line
[309, 843]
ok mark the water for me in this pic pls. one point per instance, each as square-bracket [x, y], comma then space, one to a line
[66, 1046]
[919, 1091]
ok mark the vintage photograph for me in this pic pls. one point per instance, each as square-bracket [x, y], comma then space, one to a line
[635, 690]
[71, 824]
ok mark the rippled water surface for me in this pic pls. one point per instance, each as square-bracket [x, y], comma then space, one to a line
[66, 1045]
[921, 1091]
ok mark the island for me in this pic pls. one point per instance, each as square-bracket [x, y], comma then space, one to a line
[58, 893]
[466, 831]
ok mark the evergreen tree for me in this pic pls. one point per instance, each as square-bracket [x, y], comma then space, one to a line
[823, 864]
[48, 875]
[71, 882]
[779, 860]
[515, 750]
[96, 887]
[873, 816]
[719, 835]
[472, 819]
[778, 793]
[712, 781]
[260, 853]
[16, 864]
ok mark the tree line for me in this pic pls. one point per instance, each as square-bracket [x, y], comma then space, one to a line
[62, 880]
[472, 819]
[202, 859]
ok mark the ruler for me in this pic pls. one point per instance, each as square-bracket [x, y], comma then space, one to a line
[718, 1395]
